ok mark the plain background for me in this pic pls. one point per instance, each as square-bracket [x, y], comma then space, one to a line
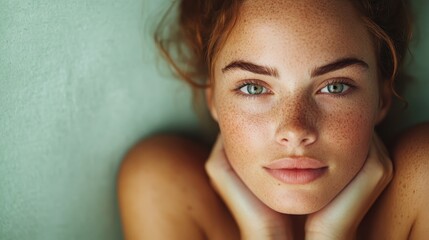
[80, 83]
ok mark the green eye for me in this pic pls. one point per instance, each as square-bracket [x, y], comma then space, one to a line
[335, 88]
[253, 89]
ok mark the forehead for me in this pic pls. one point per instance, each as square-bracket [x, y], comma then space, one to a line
[305, 30]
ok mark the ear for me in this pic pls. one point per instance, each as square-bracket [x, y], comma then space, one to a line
[384, 102]
[209, 100]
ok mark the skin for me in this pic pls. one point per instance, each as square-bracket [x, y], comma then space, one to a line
[297, 116]
[257, 221]
[152, 207]
[223, 200]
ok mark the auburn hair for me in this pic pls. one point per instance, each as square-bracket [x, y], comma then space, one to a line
[204, 26]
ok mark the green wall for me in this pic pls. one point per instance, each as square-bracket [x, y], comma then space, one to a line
[79, 85]
[418, 91]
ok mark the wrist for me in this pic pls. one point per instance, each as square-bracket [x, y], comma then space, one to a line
[266, 233]
[329, 236]
[265, 236]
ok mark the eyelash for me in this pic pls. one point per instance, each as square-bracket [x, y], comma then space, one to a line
[338, 81]
[245, 83]
[248, 82]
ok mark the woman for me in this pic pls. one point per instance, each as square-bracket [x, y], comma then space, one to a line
[297, 88]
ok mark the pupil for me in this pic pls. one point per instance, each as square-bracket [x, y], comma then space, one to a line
[336, 88]
[253, 89]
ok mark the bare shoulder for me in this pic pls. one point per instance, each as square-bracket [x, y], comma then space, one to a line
[411, 159]
[164, 192]
[402, 211]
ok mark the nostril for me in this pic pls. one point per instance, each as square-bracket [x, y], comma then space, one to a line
[295, 140]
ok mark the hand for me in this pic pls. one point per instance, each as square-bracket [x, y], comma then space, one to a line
[254, 218]
[342, 216]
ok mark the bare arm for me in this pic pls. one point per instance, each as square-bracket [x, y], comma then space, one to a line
[402, 211]
[164, 193]
[412, 159]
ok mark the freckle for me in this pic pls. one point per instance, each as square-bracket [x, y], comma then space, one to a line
[189, 208]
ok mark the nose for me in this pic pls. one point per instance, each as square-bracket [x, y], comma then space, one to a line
[298, 125]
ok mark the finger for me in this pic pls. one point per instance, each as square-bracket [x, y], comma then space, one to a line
[217, 164]
[247, 209]
[351, 205]
[380, 148]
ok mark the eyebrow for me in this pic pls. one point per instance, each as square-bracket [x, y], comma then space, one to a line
[337, 65]
[251, 67]
[269, 71]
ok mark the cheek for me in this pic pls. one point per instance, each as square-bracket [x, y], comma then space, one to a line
[240, 131]
[243, 134]
[349, 137]
[348, 129]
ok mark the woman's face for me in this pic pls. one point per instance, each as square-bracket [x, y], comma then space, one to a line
[296, 96]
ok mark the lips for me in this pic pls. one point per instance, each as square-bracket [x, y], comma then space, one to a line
[296, 170]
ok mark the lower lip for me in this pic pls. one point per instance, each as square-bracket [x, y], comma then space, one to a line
[297, 176]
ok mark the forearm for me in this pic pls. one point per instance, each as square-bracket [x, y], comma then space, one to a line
[323, 236]
[267, 235]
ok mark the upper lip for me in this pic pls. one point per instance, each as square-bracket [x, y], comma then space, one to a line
[299, 162]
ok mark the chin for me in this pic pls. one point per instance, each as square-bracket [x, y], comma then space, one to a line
[300, 209]
[297, 210]
[297, 205]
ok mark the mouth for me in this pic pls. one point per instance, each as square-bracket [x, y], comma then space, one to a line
[301, 170]
[297, 176]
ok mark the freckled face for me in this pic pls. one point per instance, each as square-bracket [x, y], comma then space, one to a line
[296, 79]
